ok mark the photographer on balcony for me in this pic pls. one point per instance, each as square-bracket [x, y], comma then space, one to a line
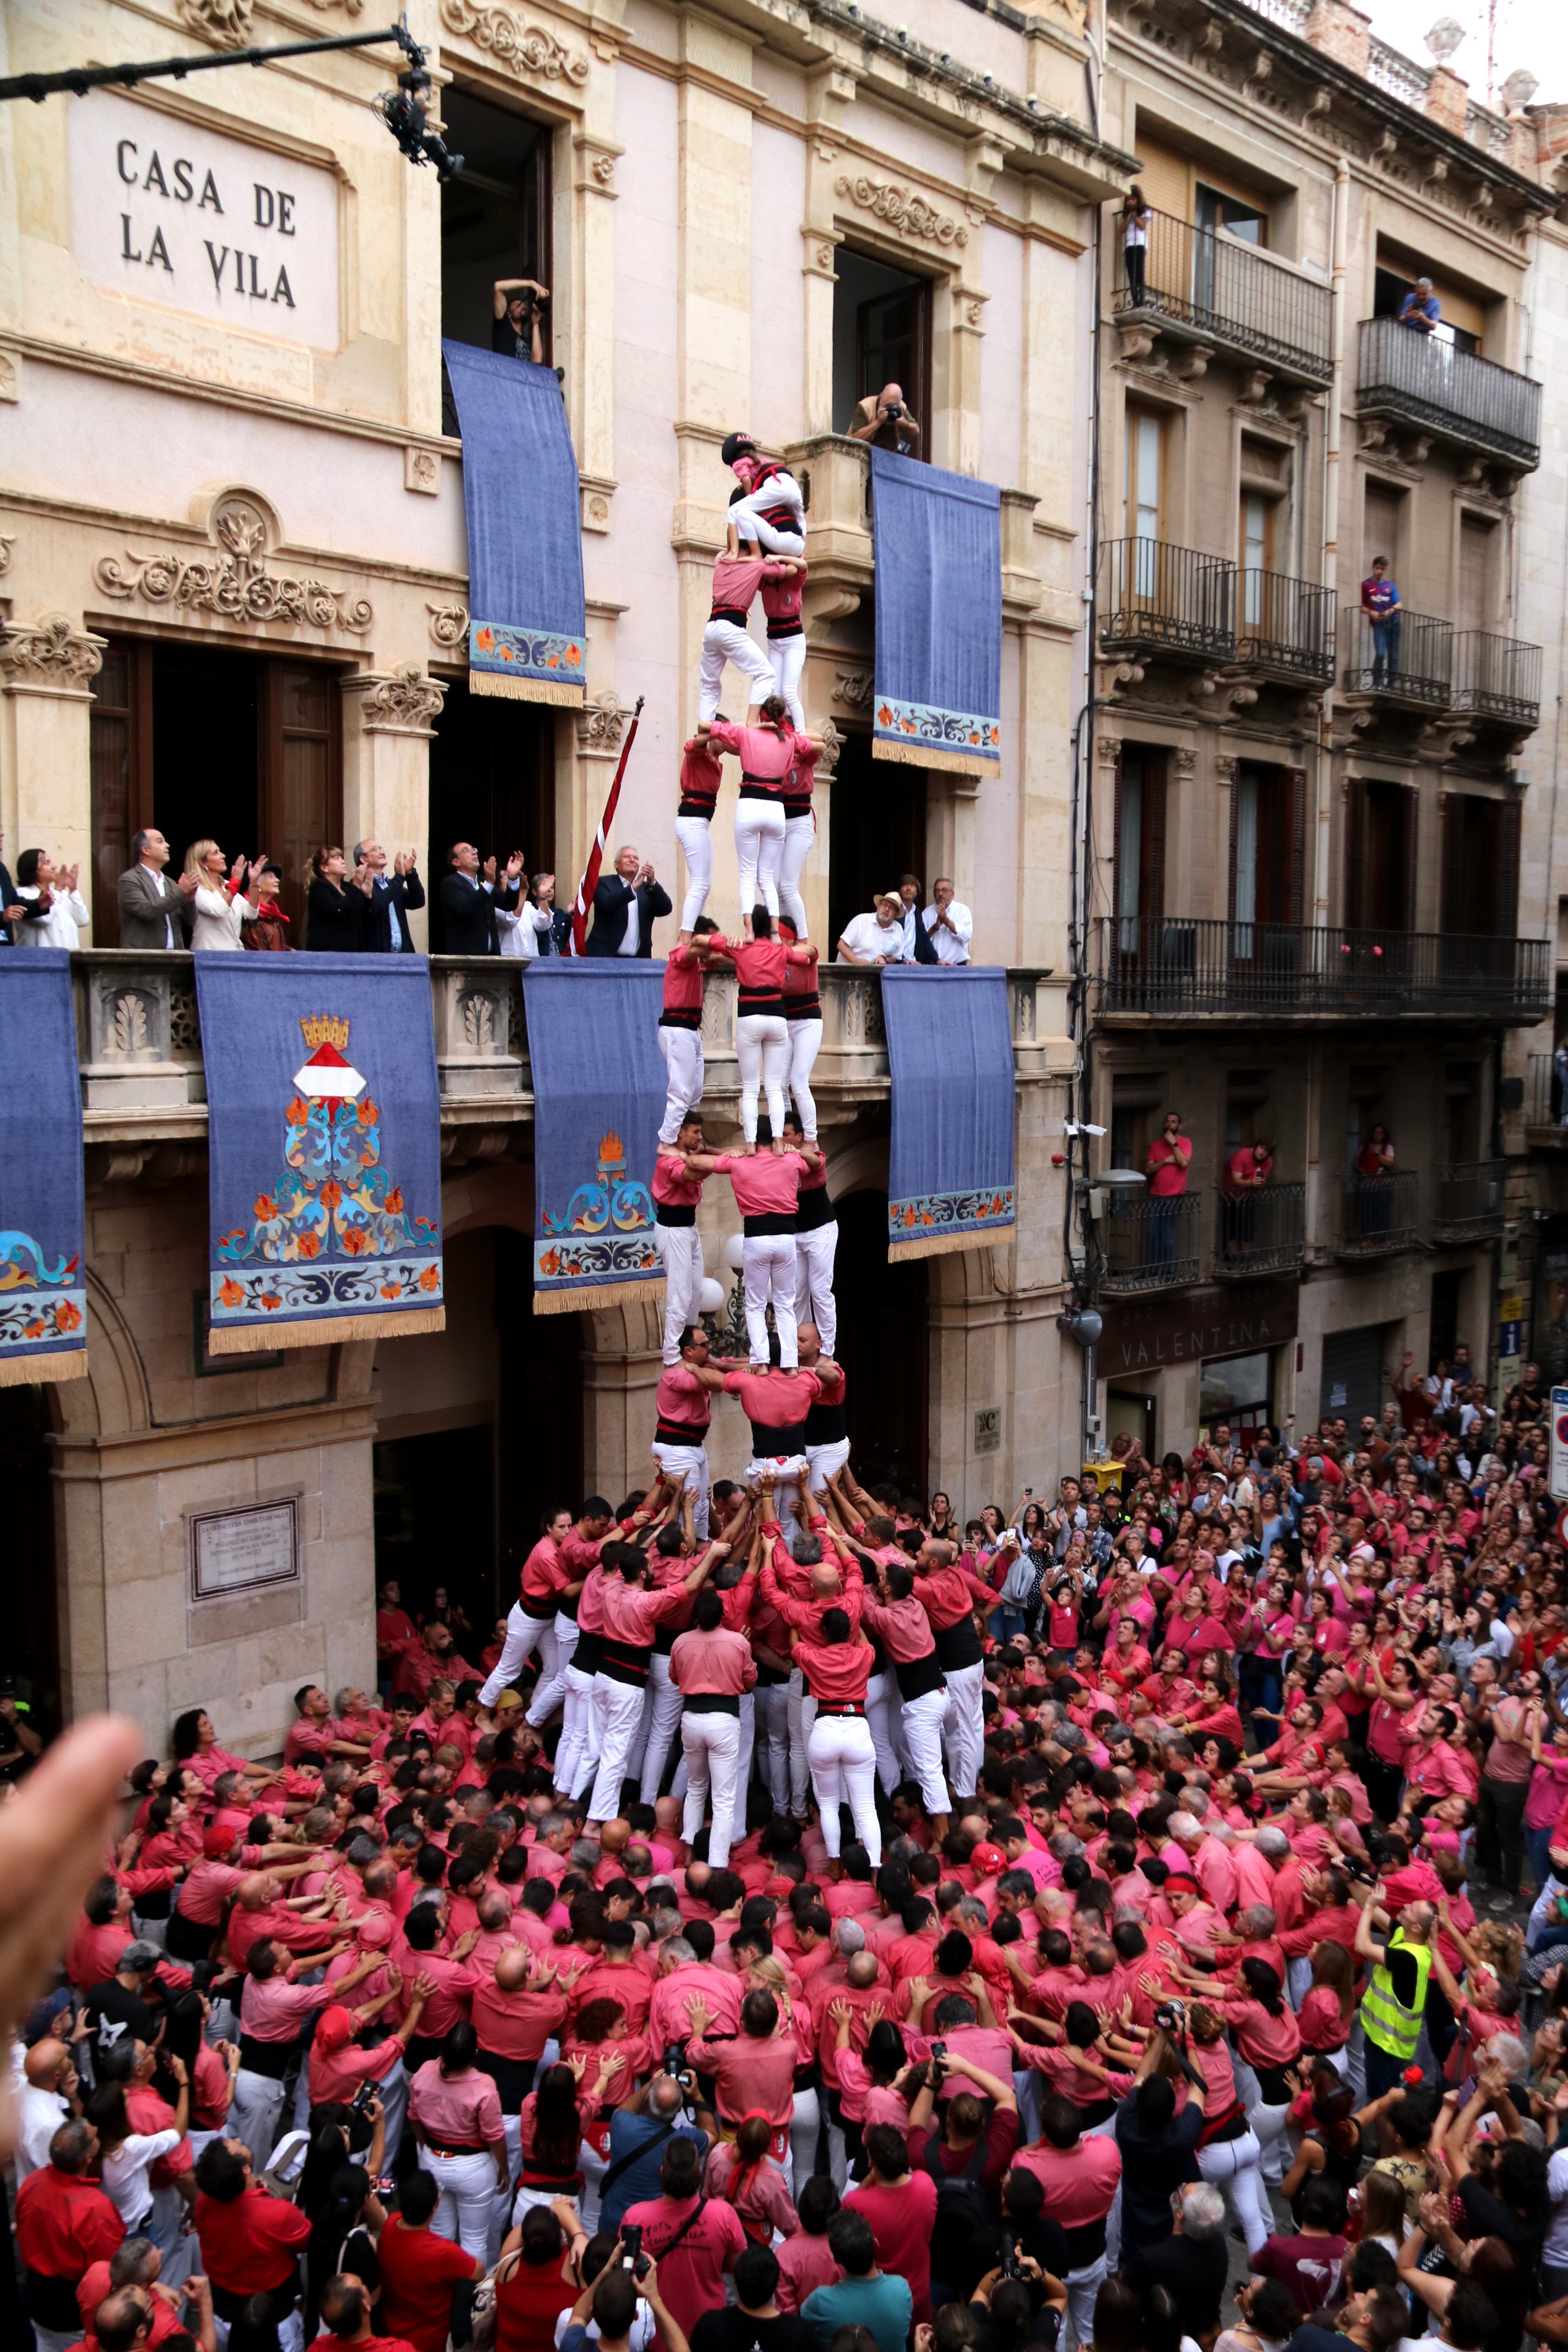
[884, 419]
[1381, 602]
[1247, 1172]
[1421, 310]
[520, 306]
[1169, 1158]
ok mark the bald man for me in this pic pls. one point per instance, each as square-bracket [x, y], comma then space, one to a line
[48, 2095]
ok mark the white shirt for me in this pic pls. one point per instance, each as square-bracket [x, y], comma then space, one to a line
[865, 937]
[908, 926]
[164, 890]
[217, 921]
[952, 947]
[60, 926]
[40, 2115]
[630, 945]
[124, 2172]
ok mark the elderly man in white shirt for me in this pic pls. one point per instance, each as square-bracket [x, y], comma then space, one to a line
[877, 938]
[44, 2084]
[949, 923]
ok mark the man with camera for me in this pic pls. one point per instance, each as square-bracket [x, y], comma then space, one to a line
[884, 419]
[519, 307]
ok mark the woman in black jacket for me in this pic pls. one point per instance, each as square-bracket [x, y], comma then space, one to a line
[337, 907]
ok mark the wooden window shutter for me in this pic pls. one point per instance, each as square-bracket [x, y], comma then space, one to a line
[1505, 916]
[1235, 815]
[1115, 841]
[1452, 896]
[1352, 852]
[1412, 829]
[1156, 766]
[1297, 845]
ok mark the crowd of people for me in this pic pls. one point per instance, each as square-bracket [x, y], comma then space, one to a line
[817, 1925]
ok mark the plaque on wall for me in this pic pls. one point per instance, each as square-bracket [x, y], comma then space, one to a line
[249, 1550]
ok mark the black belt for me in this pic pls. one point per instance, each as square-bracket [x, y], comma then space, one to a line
[619, 1663]
[700, 808]
[674, 1212]
[267, 2058]
[679, 1432]
[711, 1703]
[802, 1008]
[541, 1608]
[917, 1676]
[1085, 2244]
[457, 2147]
[840, 1706]
[760, 1004]
[826, 1425]
[728, 612]
[777, 629]
[813, 1209]
[958, 1645]
[680, 1016]
[753, 791]
[773, 1221]
[52, 2302]
[566, 1605]
[589, 1651]
[768, 1443]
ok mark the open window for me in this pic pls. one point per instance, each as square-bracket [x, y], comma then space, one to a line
[1481, 867]
[496, 217]
[492, 782]
[877, 831]
[882, 335]
[1380, 857]
[1462, 323]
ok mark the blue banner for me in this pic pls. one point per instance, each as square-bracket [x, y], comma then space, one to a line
[598, 1096]
[950, 1055]
[43, 1282]
[526, 613]
[324, 1149]
[938, 669]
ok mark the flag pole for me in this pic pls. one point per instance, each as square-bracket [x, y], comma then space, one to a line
[590, 882]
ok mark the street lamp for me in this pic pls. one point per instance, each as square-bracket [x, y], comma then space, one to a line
[1084, 1323]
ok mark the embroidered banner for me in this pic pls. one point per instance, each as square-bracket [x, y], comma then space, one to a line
[938, 673]
[950, 1055]
[598, 1098]
[43, 1284]
[526, 615]
[325, 1149]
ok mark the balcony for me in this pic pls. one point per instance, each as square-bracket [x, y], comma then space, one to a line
[1378, 1216]
[1205, 287]
[1151, 1244]
[1545, 1103]
[1155, 598]
[1263, 1232]
[1496, 679]
[1471, 404]
[1469, 1204]
[1184, 968]
[1285, 628]
[1407, 663]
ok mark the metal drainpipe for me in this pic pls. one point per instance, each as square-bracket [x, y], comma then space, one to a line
[1338, 237]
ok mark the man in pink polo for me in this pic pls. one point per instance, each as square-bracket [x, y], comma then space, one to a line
[767, 1190]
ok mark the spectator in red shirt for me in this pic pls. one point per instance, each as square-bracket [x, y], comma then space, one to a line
[63, 2224]
[249, 2238]
[419, 2270]
[1166, 1164]
[345, 2318]
[901, 2207]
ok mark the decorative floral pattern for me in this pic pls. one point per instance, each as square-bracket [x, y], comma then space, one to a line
[525, 653]
[333, 1199]
[615, 1198]
[947, 1211]
[294, 1292]
[557, 1263]
[954, 730]
[41, 1318]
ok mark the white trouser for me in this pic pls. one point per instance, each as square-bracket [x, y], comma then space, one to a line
[814, 1253]
[712, 1745]
[724, 641]
[747, 519]
[682, 1051]
[789, 1471]
[689, 1463]
[799, 1732]
[759, 848]
[762, 1048]
[467, 2184]
[923, 1719]
[769, 1274]
[800, 832]
[787, 655]
[882, 1702]
[1233, 2164]
[805, 1045]
[964, 1726]
[748, 1750]
[1299, 1984]
[662, 1721]
[524, 1634]
[620, 1708]
[844, 1768]
[772, 1725]
[1269, 2126]
[1082, 2287]
[680, 1247]
[695, 834]
[806, 2126]
[549, 1696]
[576, 1710]
[824, 1462]
[254, 2113]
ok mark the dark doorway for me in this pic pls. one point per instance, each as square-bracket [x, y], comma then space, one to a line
[1379, 879]
[1139, 820]
[541, 1404]
[435, 1523]
[882, 1345]
[881, 334]
[1481, 867]
[1268, 812]
[32, 1659]
[492, 782]
[877, 831]
[1445, 1334]
[495, 218]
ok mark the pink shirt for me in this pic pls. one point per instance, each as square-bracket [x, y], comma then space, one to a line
[736, 580]
[761, 752]
[718, 1664]
[767, 1185]
[274, 2012]
[464, 2112]
[682, 1399]
[673, 1182]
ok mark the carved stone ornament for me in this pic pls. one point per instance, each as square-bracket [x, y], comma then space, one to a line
[853, 689]
[1185, 759]
[405, 703]
[603, 170]
[7, 541]
[601, 724]
[901, 208]
[422, 471]
[1109, 750]
[236, 581]
[52, 657]
[226, 22]
[832, 744]
[448, 626]
[522, 49]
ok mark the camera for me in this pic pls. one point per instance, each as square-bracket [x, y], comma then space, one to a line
[1012, 2267]
[633, 2259]
[1171, 2017]
[360, 2103]
[894, 408]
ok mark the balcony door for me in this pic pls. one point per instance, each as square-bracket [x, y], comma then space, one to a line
[1380, 857]
[1141, 783]
[1480, 867]
[881, 334]
[1268, 841]
[1145, 499]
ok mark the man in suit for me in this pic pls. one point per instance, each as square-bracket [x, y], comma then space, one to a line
[393, 899]
[469, 898]
[626, 904]
[11, 908]
[154, 911]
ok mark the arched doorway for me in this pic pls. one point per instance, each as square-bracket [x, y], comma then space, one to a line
[882, 1343]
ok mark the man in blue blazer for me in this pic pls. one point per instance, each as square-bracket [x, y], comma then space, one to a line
[471, 894]
[626, 904]
[393, 899]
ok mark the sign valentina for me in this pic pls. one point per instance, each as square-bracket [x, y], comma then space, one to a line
[167, 211]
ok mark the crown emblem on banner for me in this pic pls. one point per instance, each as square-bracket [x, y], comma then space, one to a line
[325, 1029]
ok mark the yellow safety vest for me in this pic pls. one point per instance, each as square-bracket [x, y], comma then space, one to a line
[1395, 2028]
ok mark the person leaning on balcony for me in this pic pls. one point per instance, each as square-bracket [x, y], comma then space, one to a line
[884, 420]
[1373, 1162]
[1247, 1172]
[1134, 242]
[1420, 310]
[336, 907]
[57, 913]
[1165, 1165]
[876, 937]
[154, 912]
[1382, 603]
[267, 930]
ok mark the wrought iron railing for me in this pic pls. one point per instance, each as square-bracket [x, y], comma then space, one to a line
[1261, 1232]
[1152, 594]
[1227, 292]
[1409, 656]
[1285, 625]
[1469, 1197]
[1402, 372]
[1379, 1213]
[1176, 965]
[1497, 678]
[1150, 1244]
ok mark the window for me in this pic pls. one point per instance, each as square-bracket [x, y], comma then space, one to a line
[1444, 1333]
[1257, 555]
[1461, 1137]
[1478, 543]
[492, 782]
[1363, 1109]
[1462, 323]
[1139, 846]
[1382, 528]
[1481, 867]
[1353, 1373]
[881, 334]
[1138, 1107]
[1236, 1389]
[1145, 473]
[1247, 1096]
[1235, 214]
[877, 831]
[1380, 857]
[495, 218]
[1267, 848]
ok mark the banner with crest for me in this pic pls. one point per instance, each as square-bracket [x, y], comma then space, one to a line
[325, 1149]
[598, 1098]
[43, 1284]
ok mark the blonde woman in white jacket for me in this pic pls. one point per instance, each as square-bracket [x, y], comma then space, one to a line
[221, 906]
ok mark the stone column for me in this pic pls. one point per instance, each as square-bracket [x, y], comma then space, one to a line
[828, 91]
[593, 162]
[389, 722]
[46, 784]
[621, 1366]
